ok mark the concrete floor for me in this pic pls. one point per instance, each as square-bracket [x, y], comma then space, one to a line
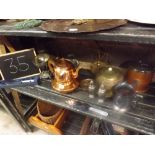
[9, 126]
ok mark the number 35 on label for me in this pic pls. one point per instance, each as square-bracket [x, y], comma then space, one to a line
[18, 65]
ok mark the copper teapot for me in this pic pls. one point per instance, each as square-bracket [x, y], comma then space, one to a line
[65, 75]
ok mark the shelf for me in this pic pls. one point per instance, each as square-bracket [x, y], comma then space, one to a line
[134, 33]
[72, 124]
[138, 120]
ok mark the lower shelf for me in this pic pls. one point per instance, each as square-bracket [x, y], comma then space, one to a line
[134, 121]
[73, 124]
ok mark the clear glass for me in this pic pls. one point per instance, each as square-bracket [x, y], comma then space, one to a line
[91, 89]
[101, 93]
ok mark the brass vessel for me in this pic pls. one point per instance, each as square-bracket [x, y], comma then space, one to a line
[97, 65]
[41, 59]
[65, 75]
[109, 77]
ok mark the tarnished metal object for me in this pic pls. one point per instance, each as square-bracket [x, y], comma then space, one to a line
[41, 59]
[45, 75]
[84, 84]
[81, 21]
[96, 66]
[109, 76]
[65, 75]
[71, 26]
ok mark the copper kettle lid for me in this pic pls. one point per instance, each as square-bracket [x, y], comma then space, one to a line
[63, 63]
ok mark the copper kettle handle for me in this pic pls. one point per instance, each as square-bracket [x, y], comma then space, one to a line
[51, 65]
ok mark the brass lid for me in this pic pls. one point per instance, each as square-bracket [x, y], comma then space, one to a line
[111, 73]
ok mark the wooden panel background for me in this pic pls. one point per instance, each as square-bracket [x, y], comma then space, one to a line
[88, 49]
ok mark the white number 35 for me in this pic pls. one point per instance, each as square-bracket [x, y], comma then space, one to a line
[22, 66]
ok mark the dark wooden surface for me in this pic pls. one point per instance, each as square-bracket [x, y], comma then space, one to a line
[132, 32]
[140, 120]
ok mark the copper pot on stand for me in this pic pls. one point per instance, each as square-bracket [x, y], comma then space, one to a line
[139, 74]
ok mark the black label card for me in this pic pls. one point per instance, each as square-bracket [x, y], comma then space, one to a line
[18, 64]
